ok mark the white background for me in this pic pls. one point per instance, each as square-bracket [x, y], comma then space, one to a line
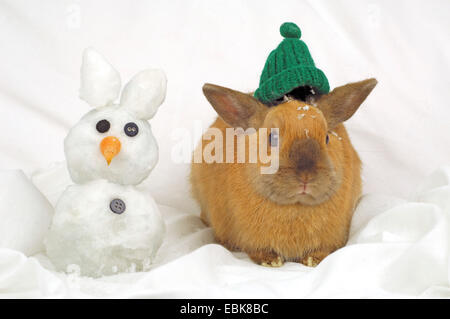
[402, 131]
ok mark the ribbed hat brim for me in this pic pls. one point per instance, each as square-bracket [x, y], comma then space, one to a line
[289, 79]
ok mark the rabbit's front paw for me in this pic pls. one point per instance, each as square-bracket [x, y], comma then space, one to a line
[314, 258]
[274, 263]
[310, 261]
[267, 259]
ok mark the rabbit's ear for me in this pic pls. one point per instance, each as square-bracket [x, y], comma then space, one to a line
[237, 109]
[144, 93]
[100, 82]
[341, 103]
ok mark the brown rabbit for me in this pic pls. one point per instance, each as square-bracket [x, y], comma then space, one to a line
[302, 212]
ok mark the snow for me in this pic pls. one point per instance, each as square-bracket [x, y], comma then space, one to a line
[137, 157]
[85, 232]
[307, 132]
[25, 213]
[305, 108]
[100, 227]
[144, 93]
[100, 82]
[335, 134]
[140, 100]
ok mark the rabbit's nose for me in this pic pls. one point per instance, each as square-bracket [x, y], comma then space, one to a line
[304, 154]
[110, 147]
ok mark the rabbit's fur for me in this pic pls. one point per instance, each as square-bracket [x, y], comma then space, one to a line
[277, 217]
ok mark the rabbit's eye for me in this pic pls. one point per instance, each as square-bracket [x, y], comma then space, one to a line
[273, 139]
[327, 139]
[131, 129]
[103, 126]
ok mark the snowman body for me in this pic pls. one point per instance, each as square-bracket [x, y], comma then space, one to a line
[104, 228]
[103, 224]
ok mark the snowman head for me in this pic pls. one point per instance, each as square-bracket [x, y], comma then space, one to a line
[114, 141]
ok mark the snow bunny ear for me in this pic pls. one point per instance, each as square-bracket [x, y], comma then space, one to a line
[144, 93]
[100, 82]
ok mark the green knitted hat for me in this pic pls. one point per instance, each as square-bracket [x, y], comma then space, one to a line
[289, 66]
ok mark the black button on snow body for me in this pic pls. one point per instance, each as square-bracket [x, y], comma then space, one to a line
[117, 206]
[131, 129]
[103, 126]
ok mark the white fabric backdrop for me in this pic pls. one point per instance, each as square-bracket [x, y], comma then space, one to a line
[401, 131]
[397, 249]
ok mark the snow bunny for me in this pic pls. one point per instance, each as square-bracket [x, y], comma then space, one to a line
[114, 141]
[103, 224]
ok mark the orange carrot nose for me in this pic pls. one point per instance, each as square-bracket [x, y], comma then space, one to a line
[110, 147]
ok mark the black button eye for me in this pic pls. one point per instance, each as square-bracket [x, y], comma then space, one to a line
[117, 206]
[327, 139]
[131, 129]
[103, 126]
